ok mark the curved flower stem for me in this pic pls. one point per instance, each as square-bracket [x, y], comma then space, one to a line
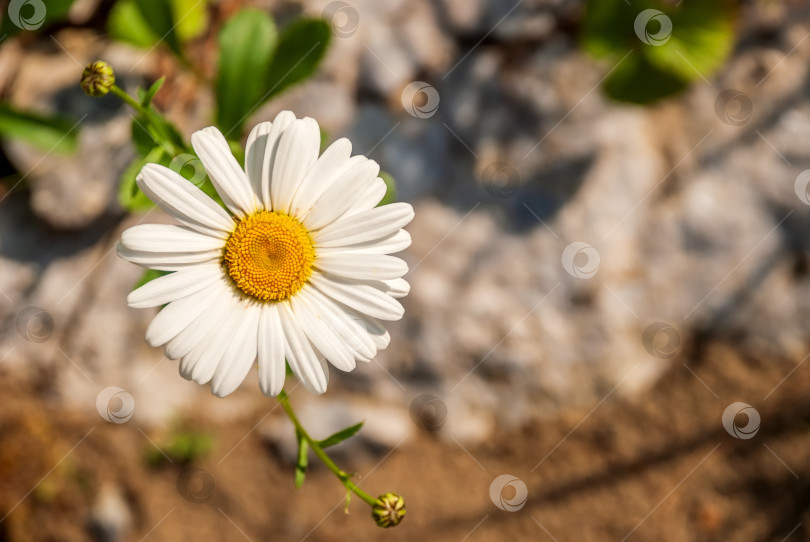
[132, 102]
[343, 476]
[147, 114]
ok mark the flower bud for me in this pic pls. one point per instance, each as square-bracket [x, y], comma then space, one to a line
[97, 78]
[389, 510]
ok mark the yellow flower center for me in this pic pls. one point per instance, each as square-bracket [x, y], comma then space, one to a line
[269, 255]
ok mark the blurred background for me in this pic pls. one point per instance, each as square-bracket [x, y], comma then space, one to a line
[608, 324]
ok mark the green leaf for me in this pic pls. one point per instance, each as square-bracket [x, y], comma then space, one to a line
[191, 17]
[701, 38]
[247, 43]
[340, 436]
[391, 188]
[141, 137]
[147, 96]
[607, 28]
[639, 82]
[125, 23]
[303, 460]
[52, 133]
[301, 47]
[159, 18]
[129, 195]
[151, 128]
[149, 275]
[26, 15]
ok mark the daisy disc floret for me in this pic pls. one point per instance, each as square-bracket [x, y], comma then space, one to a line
[296, 267]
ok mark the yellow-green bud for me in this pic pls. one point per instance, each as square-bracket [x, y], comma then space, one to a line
[97, 78]
[389, 510]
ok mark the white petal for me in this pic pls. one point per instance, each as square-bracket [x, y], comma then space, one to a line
[176, 285]
[178, 315]
[308, 366]
[362, 266]
[365, 226]
[297, 152]
[371, 196]
[347, 325]
[331, 163]
[315, 323]
[342, 193]
[272, 344]
[200, 329]
[224, 171]
[255, 149]
[396, 288]
[168, 238]
[240, 355]
[211, 353]
[376, 331]
[167, 261]
[381, 340]
[361, 297]
[280, 124]
[396, 242]
[184, 201]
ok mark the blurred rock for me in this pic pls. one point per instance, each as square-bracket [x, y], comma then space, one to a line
[110, 515]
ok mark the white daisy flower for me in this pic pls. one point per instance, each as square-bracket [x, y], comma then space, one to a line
[298, 269]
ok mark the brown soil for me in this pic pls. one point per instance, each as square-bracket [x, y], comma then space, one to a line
[658, 467]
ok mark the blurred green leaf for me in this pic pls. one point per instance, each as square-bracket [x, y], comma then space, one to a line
[26, 15]
[125, 23]
[301, 47]
[146, 96]
[191, 17]
[637, 81]
[182, 446]
[149, 275]
[247, 43]
[391, 192]
[130, 196]
[141, 137]
[53, 133]
[701, 38]
[301, 464]
[607, 28]
[340, 436]
[159, 17]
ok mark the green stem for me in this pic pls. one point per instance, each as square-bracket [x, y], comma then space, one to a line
[343, 476]
[115, 89]
[147, 114]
